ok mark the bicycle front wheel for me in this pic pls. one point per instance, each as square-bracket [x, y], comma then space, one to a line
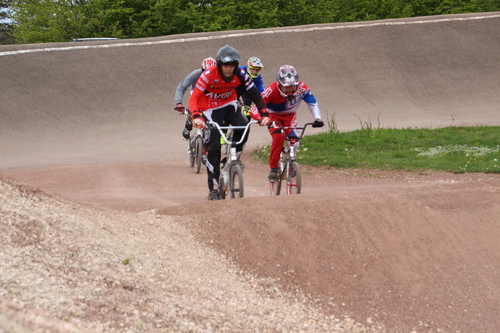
[294, 178]
[222, 187]
[275, 186]
[191, 148]
[198, 154]
[235, 181]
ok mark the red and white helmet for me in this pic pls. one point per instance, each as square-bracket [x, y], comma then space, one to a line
[287, 76]
[207, 62]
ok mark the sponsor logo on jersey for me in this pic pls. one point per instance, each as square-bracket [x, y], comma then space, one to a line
[228, 86]
[214, 95]
[292, 103]
[267, 92]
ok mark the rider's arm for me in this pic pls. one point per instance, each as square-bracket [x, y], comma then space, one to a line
[258, 101]
[194, 106]
[313, 107]
[197, 95]
[188, 81]
[193, 100]
[254, 112]
[312, 104]
[254, 94]
[259, 83]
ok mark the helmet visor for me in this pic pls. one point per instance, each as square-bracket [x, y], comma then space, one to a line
[228, 60]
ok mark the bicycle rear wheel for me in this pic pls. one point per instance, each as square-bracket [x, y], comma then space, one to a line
[235, 181]
[198, 153]
[294, 178]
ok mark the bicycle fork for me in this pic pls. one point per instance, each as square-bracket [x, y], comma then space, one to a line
[225, 164]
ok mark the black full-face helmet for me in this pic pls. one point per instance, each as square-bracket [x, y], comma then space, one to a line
[227, 55]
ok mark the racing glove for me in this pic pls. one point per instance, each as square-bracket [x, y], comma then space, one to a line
[199, 123]
[264, 118]
[179, 107]
[198, 120]
[317, 123]
[264, 121]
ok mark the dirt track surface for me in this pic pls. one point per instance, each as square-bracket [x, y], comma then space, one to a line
[94, 128]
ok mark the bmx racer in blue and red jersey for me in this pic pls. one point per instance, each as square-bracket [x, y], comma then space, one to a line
[282, 99]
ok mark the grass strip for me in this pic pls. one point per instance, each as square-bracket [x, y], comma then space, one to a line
[453, 149]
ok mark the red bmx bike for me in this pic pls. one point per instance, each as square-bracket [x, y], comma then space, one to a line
[288, 167]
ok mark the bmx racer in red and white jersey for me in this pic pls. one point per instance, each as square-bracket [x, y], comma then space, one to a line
[214, 99]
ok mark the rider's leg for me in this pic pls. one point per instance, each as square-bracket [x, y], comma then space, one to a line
[213, 150]
[276, 147]
[188, 126]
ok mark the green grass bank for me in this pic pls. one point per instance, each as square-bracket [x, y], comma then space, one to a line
[452, 149]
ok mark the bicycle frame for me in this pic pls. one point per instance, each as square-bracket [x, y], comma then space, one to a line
[231, 174]
[288, 168]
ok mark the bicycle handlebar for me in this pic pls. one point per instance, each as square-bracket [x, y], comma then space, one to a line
[221, 128]
[282, 128]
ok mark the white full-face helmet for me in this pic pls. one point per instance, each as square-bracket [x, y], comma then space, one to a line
[287, 77]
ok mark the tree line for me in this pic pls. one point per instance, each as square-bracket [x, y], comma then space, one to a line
[41, 21]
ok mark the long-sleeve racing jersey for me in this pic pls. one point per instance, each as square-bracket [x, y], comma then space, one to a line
[277, 104]
[213, 92]
[188, 81]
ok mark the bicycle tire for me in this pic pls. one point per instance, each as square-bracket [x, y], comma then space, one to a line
[222, 188]
[275, 187]
[198, 154]
[294, 179]
[191, 153]
[235, 181]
